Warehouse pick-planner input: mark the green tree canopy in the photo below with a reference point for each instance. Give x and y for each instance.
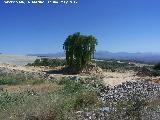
(79, 49)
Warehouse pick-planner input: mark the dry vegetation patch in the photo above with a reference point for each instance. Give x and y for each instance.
(37, 88)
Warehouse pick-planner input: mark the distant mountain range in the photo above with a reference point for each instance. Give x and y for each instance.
(144, 57)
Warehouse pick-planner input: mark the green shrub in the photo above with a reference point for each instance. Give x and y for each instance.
(155, 72)
(48, 62)
(157, 66)
(114, 65)
(86, 99)
(72, 86)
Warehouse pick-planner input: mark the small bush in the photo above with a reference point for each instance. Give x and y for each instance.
(156, 73)
(113, 65)
(48, 62)
(72, 86)
(157, 66)
(86, 99)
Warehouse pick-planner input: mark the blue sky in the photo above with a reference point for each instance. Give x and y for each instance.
(119, 25)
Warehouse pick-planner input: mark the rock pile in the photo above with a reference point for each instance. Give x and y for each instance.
(129, 90)
(92, 69)
(135, 92)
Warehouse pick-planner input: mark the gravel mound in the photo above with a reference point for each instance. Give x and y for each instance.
(130, 90)
(92, 69)
(126, 101)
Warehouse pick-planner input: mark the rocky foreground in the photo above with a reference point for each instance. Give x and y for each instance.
(129, 96)
(140, 99)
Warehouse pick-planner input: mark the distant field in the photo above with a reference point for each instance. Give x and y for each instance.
(17, 59)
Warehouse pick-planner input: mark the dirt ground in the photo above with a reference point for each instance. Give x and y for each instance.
(115, 78)
(109, 78)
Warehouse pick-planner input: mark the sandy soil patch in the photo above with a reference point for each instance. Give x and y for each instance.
(115, 78)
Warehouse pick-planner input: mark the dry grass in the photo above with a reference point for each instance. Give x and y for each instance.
(41, 88)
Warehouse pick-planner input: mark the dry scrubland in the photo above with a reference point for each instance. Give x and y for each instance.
(119, 91)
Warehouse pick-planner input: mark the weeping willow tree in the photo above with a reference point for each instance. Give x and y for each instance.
(79, 49)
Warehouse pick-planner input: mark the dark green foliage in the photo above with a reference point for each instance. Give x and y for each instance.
(8, 100)
(79, 49)
(114, 65)
(48, 62)
(148, 71)
(157, 66)
(86, 99)
(70, 86)
(37, 62)
(156, 72)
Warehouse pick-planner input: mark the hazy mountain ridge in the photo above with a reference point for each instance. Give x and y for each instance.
(145, 57)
